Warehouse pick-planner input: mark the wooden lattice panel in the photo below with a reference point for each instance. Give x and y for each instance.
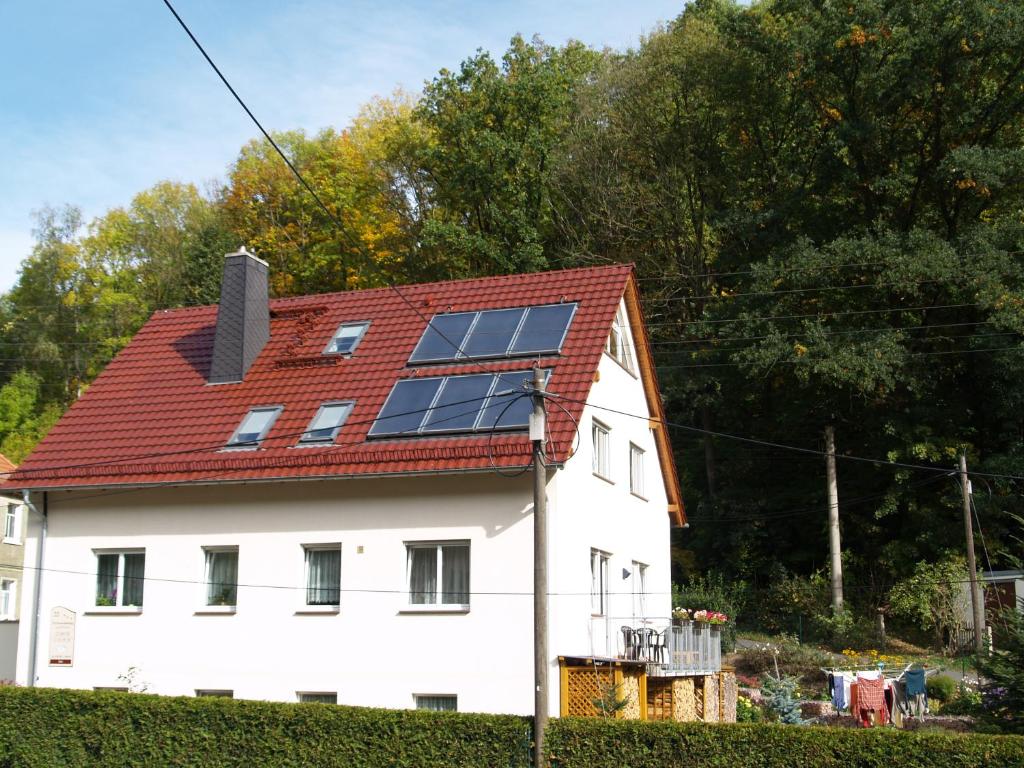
(584, 686)
(727, 696)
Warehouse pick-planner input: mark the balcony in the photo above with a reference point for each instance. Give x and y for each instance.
(689, 648)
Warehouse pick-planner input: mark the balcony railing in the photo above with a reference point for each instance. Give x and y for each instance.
(674, 649)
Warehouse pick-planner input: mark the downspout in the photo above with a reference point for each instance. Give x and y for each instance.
(36, 599)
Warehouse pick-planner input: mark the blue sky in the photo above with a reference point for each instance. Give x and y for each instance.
(100, 99)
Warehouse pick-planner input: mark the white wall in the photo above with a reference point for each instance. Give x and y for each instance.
(371, 652)
(592, 512)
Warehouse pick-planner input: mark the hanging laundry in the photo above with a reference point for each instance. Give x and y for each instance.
(871, 700)
(917, 692)
(839, 687)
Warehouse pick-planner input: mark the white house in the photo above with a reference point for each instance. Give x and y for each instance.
(326, 497)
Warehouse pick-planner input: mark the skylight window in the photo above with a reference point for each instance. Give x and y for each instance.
(327, 422)
(469, 403)
(494, 333)
(254, 427)
(346, 338)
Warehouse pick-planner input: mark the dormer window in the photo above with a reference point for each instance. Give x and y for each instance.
(618, 342)
(254, 427)
(325, 425)
(346, 338)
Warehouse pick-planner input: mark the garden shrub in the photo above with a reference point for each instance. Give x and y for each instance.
(588, 743)
(941, 688)
(53, 728)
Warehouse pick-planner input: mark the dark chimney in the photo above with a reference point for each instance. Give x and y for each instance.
(243, 317)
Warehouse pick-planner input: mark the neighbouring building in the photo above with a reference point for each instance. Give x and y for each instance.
(327, 498)
(12, 554)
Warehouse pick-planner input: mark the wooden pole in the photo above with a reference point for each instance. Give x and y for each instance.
(835, 551)
(977, 606)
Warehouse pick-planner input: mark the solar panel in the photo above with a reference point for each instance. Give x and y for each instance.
(492, 334)
(443, 337)
(406, 406)
(459, 403)
(469, 403)
(507, 408)
(544, 329)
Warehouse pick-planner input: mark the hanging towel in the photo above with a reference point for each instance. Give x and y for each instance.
(871, 700)
(915, 682)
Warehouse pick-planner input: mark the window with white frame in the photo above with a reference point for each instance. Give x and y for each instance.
(8, 599)
(601, 438)
(618, 345)
(12, 524)
(638, 587)
(346, 338)
(437, 702)
(120, 578)
(318, 698)
(254, 427)
(323, 574)
(325, 425)
(636, 471)
(221, 576)
(438, 573)
(215, 692)
(599, 582)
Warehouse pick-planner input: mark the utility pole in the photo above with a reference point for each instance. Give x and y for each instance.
(977, 606)
(540, 571)
(835, 552)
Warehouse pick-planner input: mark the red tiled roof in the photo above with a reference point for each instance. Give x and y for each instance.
(6, 466)
(151, 417)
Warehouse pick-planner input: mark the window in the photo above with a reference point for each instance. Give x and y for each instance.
(12, 529)
(204, 692)
(444, 563)
(323, 574)
(222, 576)
(474, 402)
(601, 436)
(436, 702)
(318, 698)
(346, 338)
(494, 333)
(636, 471)
(638, 587)
(618, 345)
(599, 582)
(325, 425)
(254, 427)
(120, 578)
(8, 599)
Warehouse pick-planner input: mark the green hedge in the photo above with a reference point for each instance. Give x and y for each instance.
(49, 728)
(580, 743)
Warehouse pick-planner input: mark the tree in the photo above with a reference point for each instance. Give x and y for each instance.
(933, 597)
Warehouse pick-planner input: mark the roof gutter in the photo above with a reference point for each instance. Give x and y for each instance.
(38, 587)
(285, 478)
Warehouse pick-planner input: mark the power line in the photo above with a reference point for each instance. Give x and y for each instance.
(780, 446)
(378, 591)
(222, 446)
(797, 362)
(337, 222)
